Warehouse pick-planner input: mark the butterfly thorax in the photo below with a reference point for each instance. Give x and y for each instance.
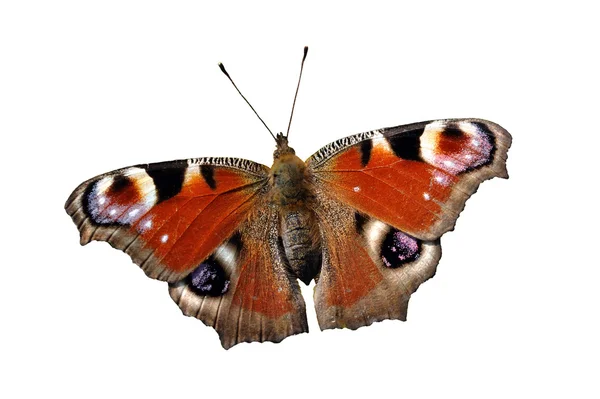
(288, 183)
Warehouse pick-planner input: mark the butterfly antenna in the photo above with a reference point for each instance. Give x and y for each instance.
(297, 87)
(247, 102)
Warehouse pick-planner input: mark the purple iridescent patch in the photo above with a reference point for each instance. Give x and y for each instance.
(398, 249)
(208, 279)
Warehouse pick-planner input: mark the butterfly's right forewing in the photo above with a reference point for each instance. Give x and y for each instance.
(168, 216)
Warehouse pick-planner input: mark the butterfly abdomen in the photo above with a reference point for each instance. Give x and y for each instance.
(301, 243)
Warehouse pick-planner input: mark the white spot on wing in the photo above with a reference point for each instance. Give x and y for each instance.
(164, 238)
(148, 224)
(145, 226)
(356, 189)
(426, 196)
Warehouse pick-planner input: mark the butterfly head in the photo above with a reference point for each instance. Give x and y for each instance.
(282, 147)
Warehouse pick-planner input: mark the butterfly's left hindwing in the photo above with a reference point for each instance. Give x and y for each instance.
(382, 200)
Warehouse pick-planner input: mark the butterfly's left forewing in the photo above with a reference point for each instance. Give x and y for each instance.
(383, 198)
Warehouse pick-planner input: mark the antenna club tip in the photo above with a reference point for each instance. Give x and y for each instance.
(222, 67)
(305, 51)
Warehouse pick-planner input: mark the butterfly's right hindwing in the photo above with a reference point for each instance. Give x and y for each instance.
(262, 301)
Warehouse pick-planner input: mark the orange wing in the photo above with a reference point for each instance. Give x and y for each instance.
(168, 216)
(383, 199)
(414, 177)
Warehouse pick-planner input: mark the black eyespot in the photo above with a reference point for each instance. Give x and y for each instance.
(120, 183)
(398, 249)
(208, 279)
(452, 131)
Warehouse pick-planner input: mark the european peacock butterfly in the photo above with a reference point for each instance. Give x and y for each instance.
(363, 217)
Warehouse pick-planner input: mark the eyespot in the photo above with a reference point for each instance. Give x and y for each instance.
(208, 279)
(398, 249)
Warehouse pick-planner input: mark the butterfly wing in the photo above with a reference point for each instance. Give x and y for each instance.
(369, 268)
(264, 302)
(394, 191)
(168, 216)
(204, 226)
(414, 177)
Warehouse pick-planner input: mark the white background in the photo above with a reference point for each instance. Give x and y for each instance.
(87, 87)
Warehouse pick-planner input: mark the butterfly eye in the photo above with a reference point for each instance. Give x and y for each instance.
(398, 249)
(208, 279)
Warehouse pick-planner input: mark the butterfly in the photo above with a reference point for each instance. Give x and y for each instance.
(363, 217)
